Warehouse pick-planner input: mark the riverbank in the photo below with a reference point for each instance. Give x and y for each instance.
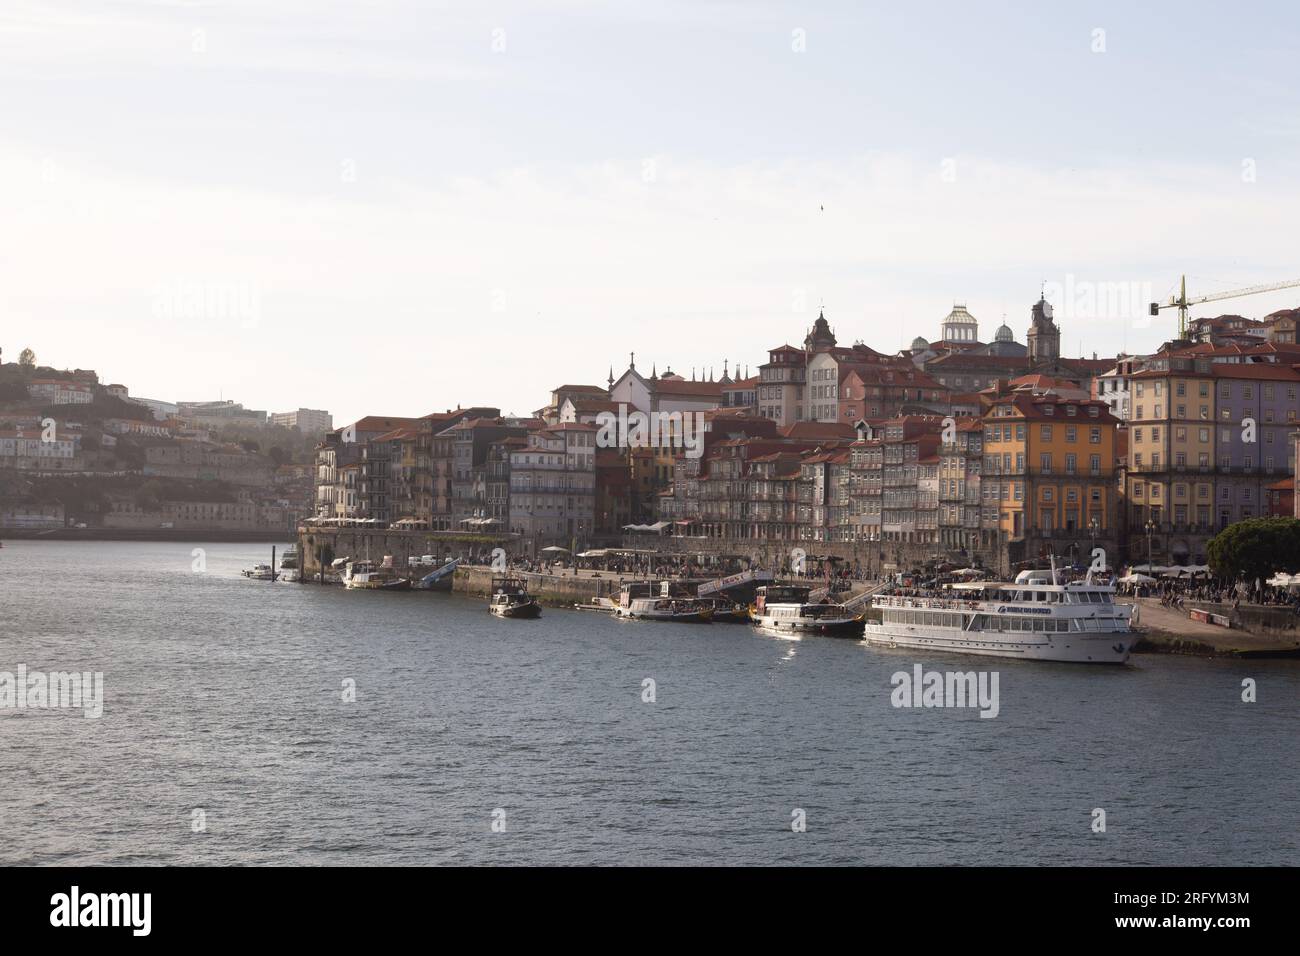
(1170, 631)
(228, 536)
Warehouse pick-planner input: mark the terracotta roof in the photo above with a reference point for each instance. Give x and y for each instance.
(1259, 370)
(817, 430)
(382, 423)
(674, 386)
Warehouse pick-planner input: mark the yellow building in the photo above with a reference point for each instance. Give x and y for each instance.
(1049, 474)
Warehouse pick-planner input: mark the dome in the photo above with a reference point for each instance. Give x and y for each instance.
(919, 344)
(1004, 334)
(959, 316)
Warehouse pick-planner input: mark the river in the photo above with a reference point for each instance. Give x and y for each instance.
(228, 736)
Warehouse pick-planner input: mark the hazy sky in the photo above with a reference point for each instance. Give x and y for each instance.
(397, 207)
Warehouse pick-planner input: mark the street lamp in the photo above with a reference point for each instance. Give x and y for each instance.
(1150, 529)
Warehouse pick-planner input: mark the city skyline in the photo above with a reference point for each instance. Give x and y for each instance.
(585, 183)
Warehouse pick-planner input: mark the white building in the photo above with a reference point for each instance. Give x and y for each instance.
(19, 449)
(60, 392)
(306, 420)
(1113, 389)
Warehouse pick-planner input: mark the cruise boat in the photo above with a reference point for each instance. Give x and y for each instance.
(1038, 617)
(639, 600)
(786, 608)
(510, 598)
(366, 575)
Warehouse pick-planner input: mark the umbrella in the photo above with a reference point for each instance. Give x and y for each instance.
(1137, 579)
(555, 549)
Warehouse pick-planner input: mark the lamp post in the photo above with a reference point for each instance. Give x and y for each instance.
(1094, 527)
(1150, 529)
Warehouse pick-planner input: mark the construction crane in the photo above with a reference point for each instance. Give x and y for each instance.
(1183, 304)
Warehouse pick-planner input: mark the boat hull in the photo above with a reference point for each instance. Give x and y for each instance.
(684, 617)
(398, 585)
(1070, 647)
(530, 610)
(837, 627)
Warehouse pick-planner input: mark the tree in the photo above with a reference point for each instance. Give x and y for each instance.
(1256, 548)
(27, 359)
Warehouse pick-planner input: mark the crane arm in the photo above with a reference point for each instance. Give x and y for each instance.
(1176, 301)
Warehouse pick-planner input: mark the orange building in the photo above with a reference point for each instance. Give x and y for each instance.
(1049, 475)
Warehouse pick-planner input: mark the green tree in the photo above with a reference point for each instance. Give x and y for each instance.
(27, 359)
(1256, 548)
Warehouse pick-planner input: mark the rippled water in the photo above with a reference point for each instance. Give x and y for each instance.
(225, 695)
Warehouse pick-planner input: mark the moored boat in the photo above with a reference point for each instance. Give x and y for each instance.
(260, 572)
(726, 611)
(604, 604)
(368, 576)
(510, 598)
(1039, 616)
(787, 608)
(289, 568)
(639, 600)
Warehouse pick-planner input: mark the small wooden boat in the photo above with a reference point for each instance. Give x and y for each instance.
(510, 598)
(725, 611)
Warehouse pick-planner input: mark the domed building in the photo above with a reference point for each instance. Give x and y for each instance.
(1004, 343)
(960, 327)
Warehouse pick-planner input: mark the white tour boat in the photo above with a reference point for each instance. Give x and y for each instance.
(1036, 618)
(786, 608)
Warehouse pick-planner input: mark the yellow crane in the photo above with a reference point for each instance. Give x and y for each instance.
(1183, 304)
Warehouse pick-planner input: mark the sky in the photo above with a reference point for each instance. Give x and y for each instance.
(395, 208)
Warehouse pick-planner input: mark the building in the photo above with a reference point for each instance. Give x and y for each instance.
(961, 456)
(309, 421)
(341, 449)
(781, 382)
(1208, 434)
(220, 414)
(31, 452)
(553, 487)
(1049, 474)
(55, 391)
(668, 393)
(1044, 336)
(160, 410)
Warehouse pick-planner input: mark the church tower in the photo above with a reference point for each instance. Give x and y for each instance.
(820, 338)
(1044, 336)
